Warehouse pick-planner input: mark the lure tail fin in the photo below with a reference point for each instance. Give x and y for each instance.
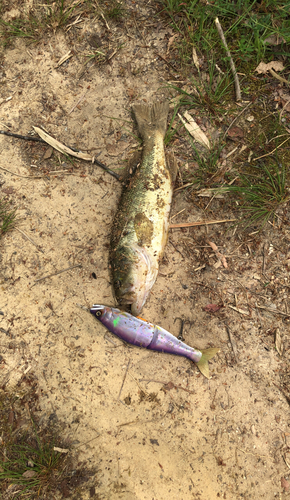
(203, 362)
(151, 118)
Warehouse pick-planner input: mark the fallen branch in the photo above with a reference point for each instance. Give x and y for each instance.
(78, 154)
(274, 150)
(70, 151)
(199, 223)
(25, 137)
(273, 311)
(233, 68)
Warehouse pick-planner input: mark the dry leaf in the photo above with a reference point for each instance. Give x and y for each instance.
(48, 153)
(208, 193)
(212, 308)
(213, 246)
(194, 129)
(224, 261)
(60, 450)
(274, 40)
(29, 473)
(278, 342)
(64, 58)
(219, 255)
(263, 68)
(117, 149)
(61, 147)
(195, 58)
(170, 41)
(285, 99)
(235, 133)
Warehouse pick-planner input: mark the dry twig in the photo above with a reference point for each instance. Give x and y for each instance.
(233, 68)
(274, 150)
(124, 378)
(233, 343)
(199, 223)
(31, 241)
(58, 272)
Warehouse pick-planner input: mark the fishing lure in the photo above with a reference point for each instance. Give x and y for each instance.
(140, 332)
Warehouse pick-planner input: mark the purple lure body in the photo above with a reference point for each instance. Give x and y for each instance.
(141, 333)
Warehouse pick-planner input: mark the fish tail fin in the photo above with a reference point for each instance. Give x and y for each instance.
(151, 118)
(203, 362)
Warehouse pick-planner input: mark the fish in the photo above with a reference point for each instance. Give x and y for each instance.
(140, 227)
(142, 333)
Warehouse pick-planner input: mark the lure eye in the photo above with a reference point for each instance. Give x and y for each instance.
(98, 313)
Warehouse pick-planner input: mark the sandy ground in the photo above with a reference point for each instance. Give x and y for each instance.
(171, 433)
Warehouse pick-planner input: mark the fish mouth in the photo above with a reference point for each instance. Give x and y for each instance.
(133, 302)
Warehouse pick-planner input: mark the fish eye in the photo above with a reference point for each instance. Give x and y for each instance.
(117, 284)
(98, 313)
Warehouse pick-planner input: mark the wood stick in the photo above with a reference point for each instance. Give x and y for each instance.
(233, 343)
(78, 154)
(124, 378)
(58, 272)
(31, 241)
(38, 139)
(25, 137)
(233, 68)
(238, 116)
(199, 223)
(273, 311)
(274, 150)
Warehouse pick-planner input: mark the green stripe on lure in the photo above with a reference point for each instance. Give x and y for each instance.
(140, 332)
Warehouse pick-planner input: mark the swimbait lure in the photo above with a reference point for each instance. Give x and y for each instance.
(140, 332)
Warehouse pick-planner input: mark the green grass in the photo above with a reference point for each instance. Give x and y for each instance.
(30, 467)
(33, 465)
(246, 24)
(8, 217)
(261, 193)
(114, 10)
(51, 15)
(207, 91)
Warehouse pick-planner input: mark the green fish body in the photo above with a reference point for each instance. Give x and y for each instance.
(140, 227)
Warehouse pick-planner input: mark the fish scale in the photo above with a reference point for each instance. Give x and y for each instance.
(141, 223)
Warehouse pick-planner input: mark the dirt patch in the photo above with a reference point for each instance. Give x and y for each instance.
(172, 433)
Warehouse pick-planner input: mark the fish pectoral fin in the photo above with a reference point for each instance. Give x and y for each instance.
(207, 354)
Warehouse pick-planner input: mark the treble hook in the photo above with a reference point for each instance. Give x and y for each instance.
(183, 322)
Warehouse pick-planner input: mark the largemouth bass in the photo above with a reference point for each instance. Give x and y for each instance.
(141, 333)
(140, 227)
